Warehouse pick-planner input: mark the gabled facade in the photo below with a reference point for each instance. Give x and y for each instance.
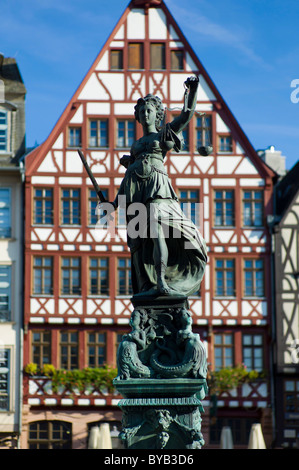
(12, 144)
(286, 264)
(77, 285)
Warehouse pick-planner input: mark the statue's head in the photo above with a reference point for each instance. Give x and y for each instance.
(156, 103)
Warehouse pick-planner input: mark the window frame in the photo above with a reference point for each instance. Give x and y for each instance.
(187, 203)
(97, 344)
(223, 346)
(74, 144)
(252, 209)
(127, 277)
(71, 268)
(50, 441)
(126, 132)
(41, 345)
(140, 59)
(253, 348)
(72, 200)
(206, 130)
(98, 130)
(174, 51)
(225, 270)
(43, 268)
(5, 314)
(119, 50)
(8, 229)
(5, 394)
(254, 281)
(231, 145)
(224, 201)
(99, 269)
(69, 344)
(163, 55)
(43, 198)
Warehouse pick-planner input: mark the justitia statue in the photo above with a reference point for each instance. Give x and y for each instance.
(162, 364)
(161, 264)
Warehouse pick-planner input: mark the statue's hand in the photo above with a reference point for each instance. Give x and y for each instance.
(192, 82)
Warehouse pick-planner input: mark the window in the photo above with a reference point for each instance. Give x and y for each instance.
(69, 350)
(43, 206)
(50, 435)
(225, 277)
(43, 275)
(254, 278)
(96, 349)
(223, 350)
(157, 56)
(177, 59)
(93, 201)
(98, 276)
(5, 212)
(41, 347)
(189, 200)
(291, 396)
(71, 276)
(203, 131)
(70, 206)
(125, 133)
(124, 276)
(135, 56)
(5, 293)
(75, 137)
(116, 59)
(252, 208)
(224, 208)
(98, 133)
(3, 131)
(252, 347)
(4, 379)
(225, 143)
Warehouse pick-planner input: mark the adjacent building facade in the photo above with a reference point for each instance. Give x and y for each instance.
(285, 230)
(12, 147)
(77, 275)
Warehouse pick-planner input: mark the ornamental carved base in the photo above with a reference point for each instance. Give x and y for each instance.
(162, 369)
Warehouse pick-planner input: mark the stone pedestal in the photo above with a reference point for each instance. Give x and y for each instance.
(162, 414)
(162, 370)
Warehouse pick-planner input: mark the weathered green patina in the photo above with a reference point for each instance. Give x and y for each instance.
(162, 365)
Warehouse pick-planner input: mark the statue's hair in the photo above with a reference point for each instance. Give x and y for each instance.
(156, 102)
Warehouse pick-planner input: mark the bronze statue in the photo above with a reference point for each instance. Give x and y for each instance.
(161, 264)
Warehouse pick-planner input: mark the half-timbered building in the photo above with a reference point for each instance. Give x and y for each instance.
(77, 276)
(285, 233)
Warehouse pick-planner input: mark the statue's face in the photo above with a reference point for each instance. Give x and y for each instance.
(147, 114)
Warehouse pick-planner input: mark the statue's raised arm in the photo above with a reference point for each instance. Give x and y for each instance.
(181, 121)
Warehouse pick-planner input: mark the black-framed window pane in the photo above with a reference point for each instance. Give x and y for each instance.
(116, 59)
(157, 56)
(177, 59)
(43, 275)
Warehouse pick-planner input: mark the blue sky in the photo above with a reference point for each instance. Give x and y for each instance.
(250, 48)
